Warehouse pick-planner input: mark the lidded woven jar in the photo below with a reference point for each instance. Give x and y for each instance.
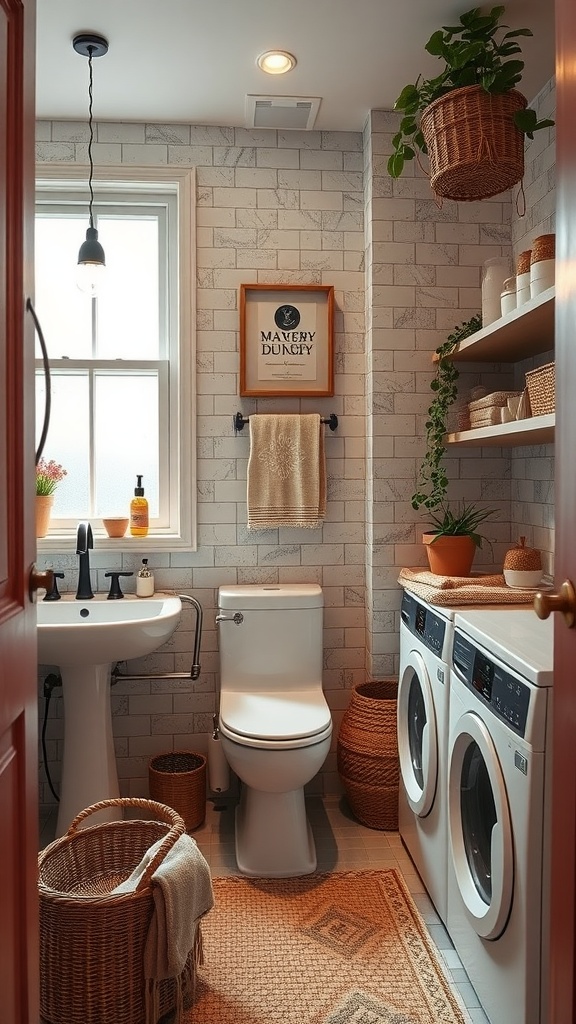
(522, 566)
(523, 558)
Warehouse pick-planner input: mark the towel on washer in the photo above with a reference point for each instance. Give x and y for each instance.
(451, 590)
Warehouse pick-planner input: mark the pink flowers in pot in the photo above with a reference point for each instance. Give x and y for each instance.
(48, 476)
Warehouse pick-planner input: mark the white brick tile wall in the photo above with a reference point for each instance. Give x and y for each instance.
(311, 207)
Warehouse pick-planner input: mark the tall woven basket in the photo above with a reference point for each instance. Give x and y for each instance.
(92, 942)
(367, 752)
(474, 147)
(179, 780)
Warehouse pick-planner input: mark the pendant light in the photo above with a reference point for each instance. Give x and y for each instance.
(91, 259)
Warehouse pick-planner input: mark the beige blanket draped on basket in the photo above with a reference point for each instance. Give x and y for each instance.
(286, 472)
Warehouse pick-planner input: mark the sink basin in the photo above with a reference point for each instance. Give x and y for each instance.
(85, 639)
(99, 631)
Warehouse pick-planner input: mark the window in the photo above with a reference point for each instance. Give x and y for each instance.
(121, 363)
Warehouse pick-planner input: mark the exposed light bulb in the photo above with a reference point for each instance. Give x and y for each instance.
(90, 277)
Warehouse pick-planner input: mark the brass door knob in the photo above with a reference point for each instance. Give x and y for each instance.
(564, 601)
(40, 579)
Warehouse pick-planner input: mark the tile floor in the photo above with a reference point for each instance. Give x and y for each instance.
(342, 844)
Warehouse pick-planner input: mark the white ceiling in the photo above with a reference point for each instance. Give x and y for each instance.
(195, 60)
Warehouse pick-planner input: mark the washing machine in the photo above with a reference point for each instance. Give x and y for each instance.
(422, 723)
(498, 807)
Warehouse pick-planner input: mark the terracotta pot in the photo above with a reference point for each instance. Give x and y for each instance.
(44, 504)
(449, 556)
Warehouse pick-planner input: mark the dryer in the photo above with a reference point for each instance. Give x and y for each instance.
(422, 722)
(498, 781)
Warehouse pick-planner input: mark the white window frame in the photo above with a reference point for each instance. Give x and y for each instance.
(181, 534)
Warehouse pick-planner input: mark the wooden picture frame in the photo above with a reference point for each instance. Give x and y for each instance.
(286, 340)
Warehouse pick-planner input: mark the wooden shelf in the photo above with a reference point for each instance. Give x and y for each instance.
(536, 430)
(524, 332)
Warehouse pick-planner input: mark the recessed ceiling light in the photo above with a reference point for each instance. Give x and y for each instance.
(276, 62)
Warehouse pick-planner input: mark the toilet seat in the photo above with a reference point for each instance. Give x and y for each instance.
(275, 719)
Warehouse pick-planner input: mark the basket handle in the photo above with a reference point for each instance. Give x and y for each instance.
(161, 812)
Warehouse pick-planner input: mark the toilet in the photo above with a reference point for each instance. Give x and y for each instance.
(275, 725)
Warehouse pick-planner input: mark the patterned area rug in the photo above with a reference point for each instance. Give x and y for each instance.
(344, 948)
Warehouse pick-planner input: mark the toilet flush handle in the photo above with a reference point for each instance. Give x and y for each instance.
(237, 618)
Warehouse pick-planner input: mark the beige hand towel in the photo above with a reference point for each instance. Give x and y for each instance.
(286, 472)
(182, 895)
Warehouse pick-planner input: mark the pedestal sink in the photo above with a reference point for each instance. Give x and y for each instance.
(85, 639)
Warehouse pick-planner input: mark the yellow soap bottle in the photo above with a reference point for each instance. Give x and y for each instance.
(139, 511)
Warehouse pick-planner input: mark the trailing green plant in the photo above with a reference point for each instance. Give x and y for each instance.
(432, 486)
(463, 522)
(474, 53)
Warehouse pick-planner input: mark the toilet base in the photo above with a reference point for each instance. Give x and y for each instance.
(273, 835)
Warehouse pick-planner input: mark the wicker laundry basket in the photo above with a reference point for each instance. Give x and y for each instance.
(179, 780)
(474, 147)
(541, 384)
(367, 752)
(91, 942)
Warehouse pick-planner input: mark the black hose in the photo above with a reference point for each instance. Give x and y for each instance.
(49, 683)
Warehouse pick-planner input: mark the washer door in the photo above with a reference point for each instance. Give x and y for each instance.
(480, 827)
(417, 734)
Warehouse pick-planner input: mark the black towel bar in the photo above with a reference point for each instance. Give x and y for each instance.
(239, 421)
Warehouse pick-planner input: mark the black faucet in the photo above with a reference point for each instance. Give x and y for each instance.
(84, 541)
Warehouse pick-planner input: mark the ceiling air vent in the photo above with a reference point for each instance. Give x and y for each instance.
(297, 112)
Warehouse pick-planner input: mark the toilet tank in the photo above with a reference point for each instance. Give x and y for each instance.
(278, 643)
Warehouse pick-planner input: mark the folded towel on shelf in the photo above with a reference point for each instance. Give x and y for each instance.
(451, 590)
(286, 472)
(182, 895)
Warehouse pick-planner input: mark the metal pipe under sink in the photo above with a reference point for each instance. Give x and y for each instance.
(194, 670)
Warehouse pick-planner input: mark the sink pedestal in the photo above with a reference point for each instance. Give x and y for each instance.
(89, 762)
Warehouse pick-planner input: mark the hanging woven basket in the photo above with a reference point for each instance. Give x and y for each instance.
(367, 752)
(475, 149)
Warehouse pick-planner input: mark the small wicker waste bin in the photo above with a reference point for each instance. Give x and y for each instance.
(367, 752)
(178, 779)
(91, 941)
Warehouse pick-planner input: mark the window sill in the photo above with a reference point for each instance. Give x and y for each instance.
(65, 541)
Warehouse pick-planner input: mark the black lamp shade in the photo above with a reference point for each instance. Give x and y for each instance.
(91, 251)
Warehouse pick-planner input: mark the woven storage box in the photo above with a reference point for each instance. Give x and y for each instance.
(486, 411)
(541, 384)
(92, 943)
(367, 752)
(179, 780)
(475, 149)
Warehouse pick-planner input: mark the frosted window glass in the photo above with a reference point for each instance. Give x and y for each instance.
(68, 440)
(64, 311)
(127, 306)
(126, 407)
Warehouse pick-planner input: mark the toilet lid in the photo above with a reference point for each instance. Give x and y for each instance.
(274, 715)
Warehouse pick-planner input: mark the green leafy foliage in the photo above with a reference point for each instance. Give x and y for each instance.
(432, 479)
(463, 522)
(475, 52)
(432, 486)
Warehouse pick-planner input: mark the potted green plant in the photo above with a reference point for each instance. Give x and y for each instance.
(453, 542)
(469, 119)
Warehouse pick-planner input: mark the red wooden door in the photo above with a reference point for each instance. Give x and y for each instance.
(18, 692)
(562, 965)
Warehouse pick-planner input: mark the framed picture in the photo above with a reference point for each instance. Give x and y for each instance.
(286, 339)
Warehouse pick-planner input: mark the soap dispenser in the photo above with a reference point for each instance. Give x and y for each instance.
(144, 581)
(139, 511)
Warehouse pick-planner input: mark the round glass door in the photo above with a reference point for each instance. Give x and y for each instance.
(480, 827)
(417, 735)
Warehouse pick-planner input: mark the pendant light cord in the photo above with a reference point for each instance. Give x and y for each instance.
(91, 139)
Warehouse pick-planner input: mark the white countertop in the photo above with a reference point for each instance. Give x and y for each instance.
(516, 636)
